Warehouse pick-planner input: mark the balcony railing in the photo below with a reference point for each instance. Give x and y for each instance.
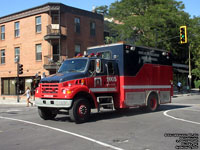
(53, 62)
(55, 31)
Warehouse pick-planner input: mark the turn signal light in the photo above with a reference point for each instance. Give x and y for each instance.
(82, 82)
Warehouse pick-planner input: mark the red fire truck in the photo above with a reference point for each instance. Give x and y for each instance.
(113, 76)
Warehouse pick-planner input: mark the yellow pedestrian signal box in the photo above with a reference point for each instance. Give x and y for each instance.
(183, 34)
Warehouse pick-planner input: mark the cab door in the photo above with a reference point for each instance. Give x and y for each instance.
(96, 75)
(112, 78)
(103, 76)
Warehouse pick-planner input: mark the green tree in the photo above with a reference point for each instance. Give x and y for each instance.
(194, 36)
(156, 23)
(102, 10)
(149, 22)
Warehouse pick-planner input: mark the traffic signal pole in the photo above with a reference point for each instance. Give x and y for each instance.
(18, 81)
(19, 71)
(184, 40)
(190, 74)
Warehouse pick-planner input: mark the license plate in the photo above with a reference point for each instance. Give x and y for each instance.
(48, 96)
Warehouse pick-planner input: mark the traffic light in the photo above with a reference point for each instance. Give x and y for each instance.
(20, 69)
(183, 34)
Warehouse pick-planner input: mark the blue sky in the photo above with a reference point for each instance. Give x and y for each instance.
(12, 6)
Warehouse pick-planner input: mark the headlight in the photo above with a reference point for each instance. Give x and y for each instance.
(64, 91)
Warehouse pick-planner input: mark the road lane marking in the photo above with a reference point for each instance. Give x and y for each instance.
(64, 131)
(13, 110)
(180, 119)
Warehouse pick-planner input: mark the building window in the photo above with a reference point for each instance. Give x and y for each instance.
(3, 57)
(77, 25)
(2, 32)
(17, 31)
(9, 86)
(38, 25)
(38, 52)
(55, 19)
(92, 28)
(77, 49)
(17, 53)
(5, 86)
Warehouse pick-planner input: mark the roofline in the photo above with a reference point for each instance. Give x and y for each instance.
(27, 12)
(42, 9)
(120, 43)
(28, 9)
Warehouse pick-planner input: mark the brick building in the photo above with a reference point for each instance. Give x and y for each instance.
(42, 37)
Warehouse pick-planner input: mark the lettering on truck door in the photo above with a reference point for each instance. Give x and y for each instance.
(111, 79)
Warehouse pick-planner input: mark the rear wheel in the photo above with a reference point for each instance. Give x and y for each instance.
(46, 113)
(152, 103)
(80, 111)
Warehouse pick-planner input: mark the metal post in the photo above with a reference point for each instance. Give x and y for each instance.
(17, 60)
(190, 74)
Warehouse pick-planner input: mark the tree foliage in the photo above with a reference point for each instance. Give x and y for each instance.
(156, 23)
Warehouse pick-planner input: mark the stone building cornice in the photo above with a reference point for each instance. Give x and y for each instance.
(47, 8)
(30, 12)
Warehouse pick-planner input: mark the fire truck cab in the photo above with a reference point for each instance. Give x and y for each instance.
(114, 76)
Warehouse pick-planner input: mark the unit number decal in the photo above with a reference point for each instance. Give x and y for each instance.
(111, 79)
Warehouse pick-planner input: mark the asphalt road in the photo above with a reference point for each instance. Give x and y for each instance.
(171, 126)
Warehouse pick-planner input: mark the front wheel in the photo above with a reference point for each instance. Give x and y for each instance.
(46, 113)
(80, 111)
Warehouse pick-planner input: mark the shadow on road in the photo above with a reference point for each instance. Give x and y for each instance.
(109, 114)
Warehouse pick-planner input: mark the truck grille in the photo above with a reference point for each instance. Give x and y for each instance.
(52, 88)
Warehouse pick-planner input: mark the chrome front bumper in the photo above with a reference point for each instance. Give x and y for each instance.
(53, 103)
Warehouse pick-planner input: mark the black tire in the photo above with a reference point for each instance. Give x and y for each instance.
(80, 111)
(152, 103)
(46, 113)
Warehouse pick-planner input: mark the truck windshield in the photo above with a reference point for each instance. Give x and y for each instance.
(74, 65)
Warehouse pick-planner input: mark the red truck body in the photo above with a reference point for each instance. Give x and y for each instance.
(114, 76)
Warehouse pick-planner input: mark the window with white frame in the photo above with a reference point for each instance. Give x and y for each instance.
(3, 57)
(17, 52)
(2, 32)
(17, 29)
(38, 48)
(38, 24)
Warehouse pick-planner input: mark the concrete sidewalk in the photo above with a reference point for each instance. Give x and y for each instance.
(13, 101)
(194, 91)
(22, 101)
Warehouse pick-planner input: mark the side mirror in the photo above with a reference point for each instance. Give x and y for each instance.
(98, 65)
